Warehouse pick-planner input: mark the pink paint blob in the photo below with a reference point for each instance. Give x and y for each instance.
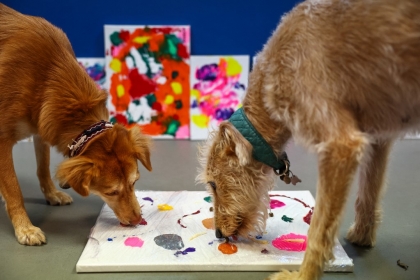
(291, 242)
(134, 242)
(276, 204)
(183, 132)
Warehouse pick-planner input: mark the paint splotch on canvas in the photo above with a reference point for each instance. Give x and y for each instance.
(148, 78)
(95, 68)
(218, 85)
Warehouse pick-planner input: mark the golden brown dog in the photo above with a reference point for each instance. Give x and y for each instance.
(341, 77)
(44, 92)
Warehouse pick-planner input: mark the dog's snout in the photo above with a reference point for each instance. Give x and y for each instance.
(219, 233)
(135, 221)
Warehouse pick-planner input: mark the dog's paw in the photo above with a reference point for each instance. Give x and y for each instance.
(362, 237)
(284, 275)
(30, 236)
(57, 198)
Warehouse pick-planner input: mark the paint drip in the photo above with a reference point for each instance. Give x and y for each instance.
(133, 242)
(276, 204)
(148, 199)
(165, 207)
(208, 223)
(228, 248)
(179, 220)
(185, 252)
(307, 219)
(287, 219)
(290, 242)
(169, 241)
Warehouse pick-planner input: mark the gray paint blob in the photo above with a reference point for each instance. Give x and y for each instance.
(169, 241)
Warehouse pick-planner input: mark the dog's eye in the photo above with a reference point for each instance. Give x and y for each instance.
(112, 193)
(212, 184)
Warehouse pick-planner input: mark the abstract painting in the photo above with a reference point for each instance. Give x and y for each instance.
(148, 78)
(218, 85)
(177, 234)
(95, 67)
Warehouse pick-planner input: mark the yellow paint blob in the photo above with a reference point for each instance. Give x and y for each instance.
(176, 87)
(120, 90)
(233, 67)
(165, 207)
(115, 65)
(195, 93)
(141, 39)
(201, 120)
(169, 99)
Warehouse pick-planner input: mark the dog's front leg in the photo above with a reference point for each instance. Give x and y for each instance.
(25, 232)
(338, 161)
(52, 195)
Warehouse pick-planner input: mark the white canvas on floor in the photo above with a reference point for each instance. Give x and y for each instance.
(218, 85)
(112, 247)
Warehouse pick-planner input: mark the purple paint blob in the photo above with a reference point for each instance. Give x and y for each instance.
(276, 204)
(186, 251)
(148, 199)
(134, 242)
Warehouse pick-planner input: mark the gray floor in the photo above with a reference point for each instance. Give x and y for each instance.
(175, 165)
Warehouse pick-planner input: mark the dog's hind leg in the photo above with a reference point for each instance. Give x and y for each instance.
(371, 184)
(52, 195)
(25, 232)
(337, 162)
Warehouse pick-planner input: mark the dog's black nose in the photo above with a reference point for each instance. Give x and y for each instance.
(219, 233)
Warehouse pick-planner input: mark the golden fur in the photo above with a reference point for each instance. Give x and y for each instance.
(44, 92)
(341, 78)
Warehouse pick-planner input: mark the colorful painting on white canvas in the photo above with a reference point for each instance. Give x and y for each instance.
(95, 67)
(177, 234)
(148, 78)
(218, 85)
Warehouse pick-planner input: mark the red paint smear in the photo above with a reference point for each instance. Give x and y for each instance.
(307, 219)
(141, 85)
(228, 248)
(182, 51)
(121, 119)
(291, 242)
(143, 222)
(124, 35)
(276, 204)
(179, 220)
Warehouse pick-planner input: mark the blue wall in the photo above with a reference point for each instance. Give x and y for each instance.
(217, 27)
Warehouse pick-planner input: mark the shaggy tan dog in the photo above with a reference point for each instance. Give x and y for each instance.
(343, 79)
(44, 92)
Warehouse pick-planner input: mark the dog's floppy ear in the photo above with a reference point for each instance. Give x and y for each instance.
(77, 173)
(141, 144)
(235, 143)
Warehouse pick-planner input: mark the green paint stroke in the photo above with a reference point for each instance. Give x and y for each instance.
(151, 98)
(287, 219)
(173, 127)
(115, 38)
(208, 199)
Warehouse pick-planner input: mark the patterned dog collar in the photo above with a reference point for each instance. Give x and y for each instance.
(86, 136)
(261, 150)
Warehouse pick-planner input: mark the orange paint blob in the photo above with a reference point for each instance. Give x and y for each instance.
(208, 223)
(228, 248)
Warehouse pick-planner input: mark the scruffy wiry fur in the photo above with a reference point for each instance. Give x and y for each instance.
(44, 92)
(340, 77)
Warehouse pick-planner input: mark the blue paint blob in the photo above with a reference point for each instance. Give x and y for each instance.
(258, 237)
(110, 239)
